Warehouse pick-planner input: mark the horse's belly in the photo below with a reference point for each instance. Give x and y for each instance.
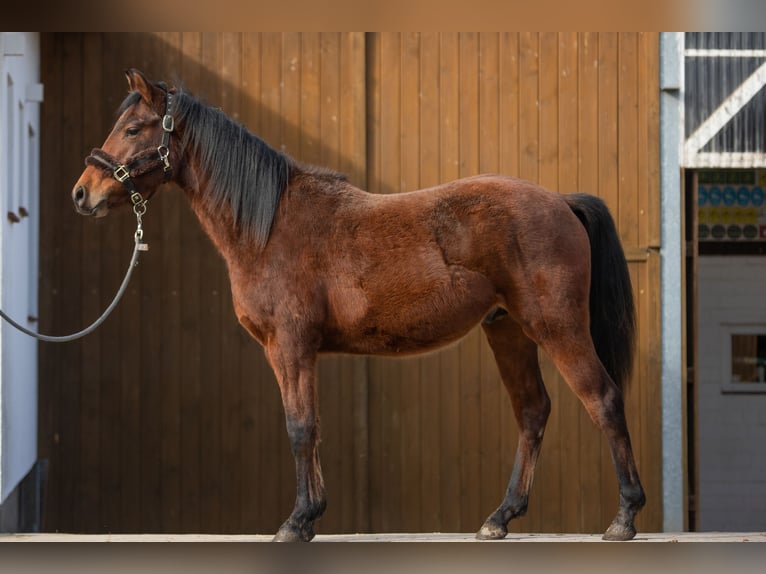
(413, 339)
(418, 317)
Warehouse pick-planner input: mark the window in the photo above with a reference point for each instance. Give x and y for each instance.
(744, 358)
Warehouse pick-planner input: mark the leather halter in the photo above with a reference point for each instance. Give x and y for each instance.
(142, 162)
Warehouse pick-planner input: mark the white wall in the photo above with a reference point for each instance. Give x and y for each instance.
(20, 96)
(732, 427)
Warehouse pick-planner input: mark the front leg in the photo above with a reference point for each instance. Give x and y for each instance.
(295, 369)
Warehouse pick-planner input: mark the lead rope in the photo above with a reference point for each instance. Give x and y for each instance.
(139, 209)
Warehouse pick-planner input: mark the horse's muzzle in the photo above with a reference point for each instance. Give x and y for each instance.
(80, 197)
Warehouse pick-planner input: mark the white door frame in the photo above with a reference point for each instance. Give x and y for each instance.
(20, 97)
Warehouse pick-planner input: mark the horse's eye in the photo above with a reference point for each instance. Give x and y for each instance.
(132, 131)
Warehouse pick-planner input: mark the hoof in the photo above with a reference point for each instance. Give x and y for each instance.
(290, 532)
(619, 532)
(492, 531)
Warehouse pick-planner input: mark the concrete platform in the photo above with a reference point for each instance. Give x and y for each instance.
(672, 537)
(437, 553)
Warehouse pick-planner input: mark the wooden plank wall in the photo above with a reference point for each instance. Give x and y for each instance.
(574, 112)
(168, 419)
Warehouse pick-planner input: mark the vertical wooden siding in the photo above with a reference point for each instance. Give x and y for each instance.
(168, 419)
(574, 112)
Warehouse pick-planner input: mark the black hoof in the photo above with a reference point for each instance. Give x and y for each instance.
(492, 531)
(619, 532)
(290, 532)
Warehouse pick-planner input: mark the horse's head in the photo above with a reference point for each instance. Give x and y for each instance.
(136, 157)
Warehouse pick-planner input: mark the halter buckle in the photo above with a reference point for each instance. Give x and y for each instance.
(168, 124)
(136, 198)
(121, 173)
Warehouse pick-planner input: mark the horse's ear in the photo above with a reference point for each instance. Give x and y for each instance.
(138, 82)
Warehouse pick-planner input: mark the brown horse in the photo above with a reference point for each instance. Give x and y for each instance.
(319, 266)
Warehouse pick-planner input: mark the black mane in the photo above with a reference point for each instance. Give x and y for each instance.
(244, 173)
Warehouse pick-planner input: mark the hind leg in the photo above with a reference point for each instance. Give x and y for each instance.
(578, 363)
(516, 357)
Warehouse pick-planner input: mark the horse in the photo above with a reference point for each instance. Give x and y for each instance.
(317, 265)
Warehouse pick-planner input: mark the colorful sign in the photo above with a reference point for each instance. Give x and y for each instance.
(731, 206)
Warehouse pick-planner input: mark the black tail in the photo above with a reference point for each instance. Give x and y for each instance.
(612, 311)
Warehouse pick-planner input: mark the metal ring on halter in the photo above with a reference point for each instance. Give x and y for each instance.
(139, 208)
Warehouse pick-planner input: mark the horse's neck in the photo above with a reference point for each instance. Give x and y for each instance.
(217, 221)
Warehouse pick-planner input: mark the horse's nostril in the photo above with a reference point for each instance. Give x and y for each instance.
(79, 194)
